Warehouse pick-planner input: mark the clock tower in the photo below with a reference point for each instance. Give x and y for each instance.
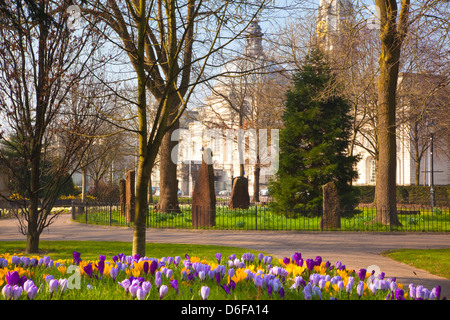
(332, 19)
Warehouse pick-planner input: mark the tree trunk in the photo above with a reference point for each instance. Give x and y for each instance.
(256, 182)
(168, 183)
(385, 189)
(141, 206)
(150, 190)
(141, 210)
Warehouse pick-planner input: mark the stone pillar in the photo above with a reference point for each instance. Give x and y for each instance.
(130, 195)
(204, 195)
(123, 192)
(240, 198)
(331, 218)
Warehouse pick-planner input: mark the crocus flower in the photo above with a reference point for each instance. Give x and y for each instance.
(27, 285)
(201, 275)
(360, 288)
(362, 274)
(125, 284)
(412, 291)
(158, 282)
(281, 292)
(226, 288)
(88, 270)
(399, 294)
(437, 291)
(169, 273)
(141, 293)
(163, 291)
(7, 291)
(16, 292)
(53, 286)
(232, 285)
(76, 257)
(146, 267)
(134, 288)
(176, 260)
(153, 267)
(31, 292)
(174, 284)
(204, 292)
(12, 278)
(218, 257)
(310, 264)
(101, 267)
(62, 283)
(113, 273)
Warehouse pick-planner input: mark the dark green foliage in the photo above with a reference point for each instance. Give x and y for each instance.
(416, 195)
(314, 141)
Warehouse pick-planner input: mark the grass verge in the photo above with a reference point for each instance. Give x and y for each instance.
(90, 250)
(435, 261)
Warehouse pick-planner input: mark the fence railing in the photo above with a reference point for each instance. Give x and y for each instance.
(262, 217)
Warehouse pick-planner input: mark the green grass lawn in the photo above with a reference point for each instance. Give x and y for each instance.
(435, 261)
(90, 250)
(262, 218)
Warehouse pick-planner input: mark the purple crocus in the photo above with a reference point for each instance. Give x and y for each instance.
(7, 291)
(281, 292)
(153, 267)
(141, 293)
(174, 284)
(134, 288)
(88, 269)
(318, 260)
(310, 264)
(125, 284)
(226, 288)
(101, 267)
(16, 292)
(218, 257)
(146, 267)
(204, 292)
(360, 288)
(362, 274)
(113, 273)
(399, 294)
(438, 292)
(76, 257)
(52, 286)
(31, 292)
(12, 278)
(163, 291)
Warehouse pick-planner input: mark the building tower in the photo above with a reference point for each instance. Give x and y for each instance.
(332, 20)
(253, 45)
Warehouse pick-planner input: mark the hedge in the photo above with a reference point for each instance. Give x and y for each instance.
(418, 195)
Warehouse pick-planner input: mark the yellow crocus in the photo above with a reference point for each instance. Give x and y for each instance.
(239, 275)
(62, 269)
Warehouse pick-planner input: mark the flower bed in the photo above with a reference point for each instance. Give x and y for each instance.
(189, 278)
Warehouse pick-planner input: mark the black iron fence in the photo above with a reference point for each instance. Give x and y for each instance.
(263, 217)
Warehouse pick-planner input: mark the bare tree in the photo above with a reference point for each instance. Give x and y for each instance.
(169, 45)
(41, 62)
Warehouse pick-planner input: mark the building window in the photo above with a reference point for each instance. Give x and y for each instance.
(372, 171)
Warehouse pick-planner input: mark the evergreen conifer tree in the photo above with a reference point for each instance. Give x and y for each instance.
(314, 141)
